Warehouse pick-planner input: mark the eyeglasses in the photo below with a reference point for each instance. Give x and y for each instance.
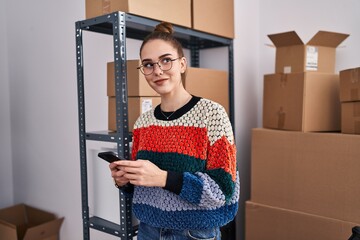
(165, 64)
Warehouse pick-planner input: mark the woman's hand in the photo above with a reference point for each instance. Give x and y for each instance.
(140, 173)
(118, 175)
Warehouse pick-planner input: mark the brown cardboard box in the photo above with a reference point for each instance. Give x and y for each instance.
(350, 117)
(350, 85)
(23, 222)
(317, 55)
(173, 11)
(315, 173)
(214, 16)
(209, 83)
(136, 106)
(271, 223)
(137, 84)
(307, 102)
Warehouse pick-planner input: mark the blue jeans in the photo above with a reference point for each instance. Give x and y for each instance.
(147, 232)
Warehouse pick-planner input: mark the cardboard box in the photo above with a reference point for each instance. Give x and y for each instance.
(137, 84)
(173, 11)
(271, 223)
(210, 84)
(292, 55)
(350, 117)
(350, 85)
(307, 102)
(23, 222)
(315, 173)
(214, 16)
(136, 106)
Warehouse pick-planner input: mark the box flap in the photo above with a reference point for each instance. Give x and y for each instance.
(13, 215)
(45, 230)
(327, 39)
(285, 39)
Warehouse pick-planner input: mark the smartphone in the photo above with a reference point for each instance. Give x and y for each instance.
(109, 156)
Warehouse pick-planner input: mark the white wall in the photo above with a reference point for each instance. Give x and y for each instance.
(246, 93)
(6, 179)
(38, 92)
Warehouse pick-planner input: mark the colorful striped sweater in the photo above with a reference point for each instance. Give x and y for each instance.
(196, 146)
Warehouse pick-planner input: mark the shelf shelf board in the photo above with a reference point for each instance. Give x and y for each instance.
(138, 27)
(109, 227)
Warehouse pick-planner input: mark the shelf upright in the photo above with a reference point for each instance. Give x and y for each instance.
(113, 24)
(121, 26)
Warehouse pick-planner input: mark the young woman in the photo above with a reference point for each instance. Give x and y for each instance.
(186, 184)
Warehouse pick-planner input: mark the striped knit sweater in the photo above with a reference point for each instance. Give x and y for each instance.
(196, 147)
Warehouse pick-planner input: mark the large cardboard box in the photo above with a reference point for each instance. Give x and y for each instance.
(350, 117)
(173, 11)
(350, 85)
(209, 83)
(23, 222)
(315, 173)
(214, 16)
(136, 106)
(137, 84)
(306, 101)
(292, 55)
(271, 223)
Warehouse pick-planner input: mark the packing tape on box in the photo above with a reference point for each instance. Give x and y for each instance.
(283, 80)
(106, 6)
(355, 75)
(354, 79)
(281, 118)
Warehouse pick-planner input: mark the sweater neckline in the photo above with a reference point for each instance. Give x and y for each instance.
(178, 113)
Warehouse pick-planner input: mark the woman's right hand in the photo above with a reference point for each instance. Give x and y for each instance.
(118, 175)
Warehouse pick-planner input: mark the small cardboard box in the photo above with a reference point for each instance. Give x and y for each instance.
(137, 84)
(23, 222)
(307, 102)
(272, 223)
(314, 173)
(350, 85)
(210, 84)
(350, 117)
(292, 55)
(214, 16)
(173, 11)
(136, 106)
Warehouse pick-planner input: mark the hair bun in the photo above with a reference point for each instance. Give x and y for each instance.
(164, 27)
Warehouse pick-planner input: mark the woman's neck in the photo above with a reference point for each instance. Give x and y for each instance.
(172, 102)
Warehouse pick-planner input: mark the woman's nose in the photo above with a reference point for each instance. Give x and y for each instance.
(157, 69)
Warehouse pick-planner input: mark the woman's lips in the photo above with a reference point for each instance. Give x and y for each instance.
(160, 81)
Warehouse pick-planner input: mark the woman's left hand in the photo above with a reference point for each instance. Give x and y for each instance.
(143, 173)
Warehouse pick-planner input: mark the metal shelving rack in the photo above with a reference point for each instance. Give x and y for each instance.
(121, 26)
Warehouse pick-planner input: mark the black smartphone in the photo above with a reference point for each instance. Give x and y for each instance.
(109, 156)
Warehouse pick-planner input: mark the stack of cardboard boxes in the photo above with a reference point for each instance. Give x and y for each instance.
(304, 173)
(350, 100)
(218, 19)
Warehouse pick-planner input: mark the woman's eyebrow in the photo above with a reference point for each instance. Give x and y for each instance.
(164, 55)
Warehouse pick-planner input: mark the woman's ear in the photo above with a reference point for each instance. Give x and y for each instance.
(183, 64)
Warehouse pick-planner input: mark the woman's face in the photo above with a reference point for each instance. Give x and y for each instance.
(159, 51)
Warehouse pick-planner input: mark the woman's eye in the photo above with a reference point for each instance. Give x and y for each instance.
(166, 60)
(148, 65)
